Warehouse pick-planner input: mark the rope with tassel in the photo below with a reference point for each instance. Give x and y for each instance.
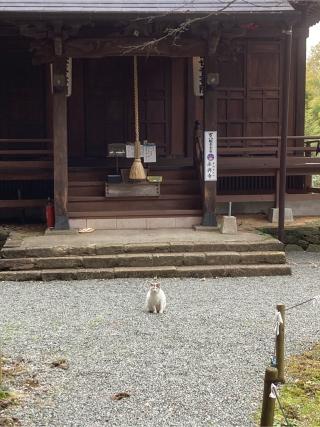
(137, 172)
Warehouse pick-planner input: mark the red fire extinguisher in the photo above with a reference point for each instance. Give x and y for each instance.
(50, 214)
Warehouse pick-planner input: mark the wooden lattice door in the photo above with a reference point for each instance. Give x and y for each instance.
(109, 104)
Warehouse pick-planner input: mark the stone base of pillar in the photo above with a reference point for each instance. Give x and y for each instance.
(61, 222)
(273, 215)
(209, 219)
(229, 225)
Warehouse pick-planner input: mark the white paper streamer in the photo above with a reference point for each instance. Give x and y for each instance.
(273, 392)
(278, 322)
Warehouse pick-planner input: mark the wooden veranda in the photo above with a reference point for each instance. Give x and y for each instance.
(253, 96)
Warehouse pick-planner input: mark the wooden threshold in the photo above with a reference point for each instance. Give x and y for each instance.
(243, 198)
(303, 197)
(95, 183)
(136, 214)
(161, 197)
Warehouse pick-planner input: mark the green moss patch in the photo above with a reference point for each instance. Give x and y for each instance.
(4, 394)
(300, 396)
(6, 399)
(307, 238)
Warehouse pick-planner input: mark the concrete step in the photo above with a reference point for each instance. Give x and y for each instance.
(143, 260)
(139, 248)
(143, 272)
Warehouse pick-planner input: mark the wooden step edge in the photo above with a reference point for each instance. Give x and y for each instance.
(144, 272)
(134, 214)
(161, 197)
(101, 183)
(175, 167)
(79, 183)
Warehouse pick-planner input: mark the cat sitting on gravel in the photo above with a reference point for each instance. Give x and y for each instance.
(156, 299)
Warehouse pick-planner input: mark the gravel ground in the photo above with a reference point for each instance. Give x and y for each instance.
(200, 364)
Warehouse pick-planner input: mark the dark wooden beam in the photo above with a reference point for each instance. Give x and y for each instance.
(286, 74)
(114, 46)
(60, 144)
(210, 123)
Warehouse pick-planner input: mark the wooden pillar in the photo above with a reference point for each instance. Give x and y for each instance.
(301, 42)
(60, 143)
(210, 119)
(301, 55)
(284, 130)
(190, 111)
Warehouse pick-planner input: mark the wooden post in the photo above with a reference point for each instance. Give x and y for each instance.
(190, 111)
(284, 130)
(210, 119)
(301, 45)
(60, 143)
(277, 176)
(280, 345)
(0, 368)
(268, 404)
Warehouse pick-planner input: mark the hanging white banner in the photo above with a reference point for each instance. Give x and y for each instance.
(210, 156)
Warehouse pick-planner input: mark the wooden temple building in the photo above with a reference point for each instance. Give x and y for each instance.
(232, 68)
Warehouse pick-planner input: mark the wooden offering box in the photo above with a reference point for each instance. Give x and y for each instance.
(133, 189)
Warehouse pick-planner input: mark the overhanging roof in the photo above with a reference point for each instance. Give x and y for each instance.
(145, 6)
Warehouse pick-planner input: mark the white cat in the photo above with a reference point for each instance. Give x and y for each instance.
(156, 299)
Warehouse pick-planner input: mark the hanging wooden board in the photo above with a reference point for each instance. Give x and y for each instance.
(141, 189)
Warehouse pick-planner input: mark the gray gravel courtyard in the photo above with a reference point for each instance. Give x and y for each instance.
(200, 364)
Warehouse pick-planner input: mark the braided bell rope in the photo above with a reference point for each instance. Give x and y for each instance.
(137, 147)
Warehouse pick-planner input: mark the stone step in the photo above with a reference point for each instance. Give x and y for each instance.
(143, 260)
(144, 272)
(173, 247)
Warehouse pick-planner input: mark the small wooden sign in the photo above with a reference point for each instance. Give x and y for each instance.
(210, 156)
(117, 150)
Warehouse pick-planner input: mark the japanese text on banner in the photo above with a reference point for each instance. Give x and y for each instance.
(210, 156)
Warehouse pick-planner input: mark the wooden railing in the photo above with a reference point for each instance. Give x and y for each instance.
(237, 154)
(25, 165)
(306, 148)
(253, 163)
(266, 145)
(25, 155)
